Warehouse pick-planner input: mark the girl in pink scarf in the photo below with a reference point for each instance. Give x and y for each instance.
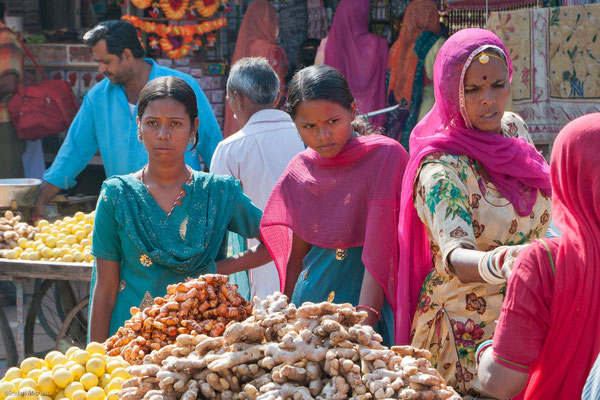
(331, 221)
(474, 190)
(547, 336)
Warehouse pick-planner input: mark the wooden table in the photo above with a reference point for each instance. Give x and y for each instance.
(18, 271)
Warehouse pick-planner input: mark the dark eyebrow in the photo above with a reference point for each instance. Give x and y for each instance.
(152, 116)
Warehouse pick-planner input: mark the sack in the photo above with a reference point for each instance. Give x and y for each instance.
(44, 109)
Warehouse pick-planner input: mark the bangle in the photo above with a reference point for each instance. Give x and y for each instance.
(485, 271)
(482, 347)
(374, 311)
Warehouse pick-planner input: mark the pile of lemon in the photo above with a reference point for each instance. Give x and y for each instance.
(65, 240)
(76, 375)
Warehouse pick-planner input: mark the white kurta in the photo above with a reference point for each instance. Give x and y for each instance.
(257, 155)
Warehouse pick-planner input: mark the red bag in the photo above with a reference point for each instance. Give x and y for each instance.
(44, 109)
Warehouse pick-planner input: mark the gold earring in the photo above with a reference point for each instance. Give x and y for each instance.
(140, 138)
(192, 141)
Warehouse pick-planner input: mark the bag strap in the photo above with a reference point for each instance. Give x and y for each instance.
(29, 54)
(549, 255)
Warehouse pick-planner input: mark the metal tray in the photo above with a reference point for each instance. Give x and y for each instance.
(16, 193)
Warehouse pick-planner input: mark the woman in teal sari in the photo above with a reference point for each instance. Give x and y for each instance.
(166, 222)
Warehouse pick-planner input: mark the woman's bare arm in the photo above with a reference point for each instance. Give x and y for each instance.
(300, 249)
(105, 297)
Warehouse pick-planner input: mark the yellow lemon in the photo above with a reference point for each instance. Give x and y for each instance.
(88, 228)
(45, 236)
(112, 364)
(55, 253)
(81, 357)
(33, 256)
(71, 239)
(12, 374)
(89, 380)
(60, 395)
(67, 258)
(100, 356)
(59, 359)
(85, 242)
(34, 374)
(78, 395)
(95, 348)
(61, 235)
(95, 366)
(16, 382)
(115, 383)
(18, 250)
(46, 384)
(51, 242)
(79, 216)
(46, 252)
(96, 393)
(80, 235)
(104, 380)
(89, 218)
(62, 377)
(24, 256)
(77, 256)
(69, 364)
(87, 257)
(37, 236)
(55, 232)
(6, 389)
(28, 383)
(36, 243)
(11, 255)
(27, 393)
(60, 243)
(77, 371)
(30, 244)
(50, 355)
(113, 395)
(73, 387)
(63, 251)
(22, 242)
(69, 353)
(40, 223)
(120, 373)
(46, 229)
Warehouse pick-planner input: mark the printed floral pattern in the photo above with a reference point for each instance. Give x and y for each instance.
(461, 209)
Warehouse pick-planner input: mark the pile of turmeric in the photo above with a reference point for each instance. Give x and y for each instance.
(202, 306)
(317, 351)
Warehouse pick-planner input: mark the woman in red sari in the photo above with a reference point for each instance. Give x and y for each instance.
(546, 340)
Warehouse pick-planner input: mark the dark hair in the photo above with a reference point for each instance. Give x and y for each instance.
(322, 82)
(119, 35)
(308, 52)
(170, 87)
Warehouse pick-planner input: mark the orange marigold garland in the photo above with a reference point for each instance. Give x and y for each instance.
(141, 4)
(176, 41)
(174, 9)
(206, 8)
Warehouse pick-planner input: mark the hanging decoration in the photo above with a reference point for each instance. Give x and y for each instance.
(177, 41)
(206, 8)
(174, 9)
(141, 4)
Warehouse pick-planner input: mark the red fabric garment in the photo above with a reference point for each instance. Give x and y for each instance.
(350, 200)
(515, 167)
(571, 345)
(257, 37)
(525, 318)
(359, 55)
(420, 15)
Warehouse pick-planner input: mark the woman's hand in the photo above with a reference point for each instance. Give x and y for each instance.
(249, 259)
(371, 296)
(509, 259)
(105, 297)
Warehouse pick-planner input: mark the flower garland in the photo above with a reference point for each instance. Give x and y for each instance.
(177, 9)
(176, 41)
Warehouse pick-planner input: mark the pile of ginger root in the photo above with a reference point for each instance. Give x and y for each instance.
(317, 351)
(202, 306)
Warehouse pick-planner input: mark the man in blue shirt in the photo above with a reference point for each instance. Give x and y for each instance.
(106, 120)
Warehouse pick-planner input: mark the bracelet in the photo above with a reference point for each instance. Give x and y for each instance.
(492, 266)
(484, 265)
(482, 347)
(374, 311)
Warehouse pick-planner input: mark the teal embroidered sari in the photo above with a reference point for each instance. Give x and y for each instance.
(156, 251)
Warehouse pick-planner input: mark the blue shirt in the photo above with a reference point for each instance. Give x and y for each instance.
(104, 122)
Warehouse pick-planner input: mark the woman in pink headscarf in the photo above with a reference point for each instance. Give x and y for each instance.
(547, 336)
(257, 38)
(475, 190)
(359, 55)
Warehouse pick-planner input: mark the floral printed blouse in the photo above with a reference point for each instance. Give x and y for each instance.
(460, 208)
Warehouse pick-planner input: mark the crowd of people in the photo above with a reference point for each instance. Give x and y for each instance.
(446, 246)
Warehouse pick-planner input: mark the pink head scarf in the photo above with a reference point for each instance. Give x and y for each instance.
(359, 55)
(515, 167)
(352, 199)
(574, 324)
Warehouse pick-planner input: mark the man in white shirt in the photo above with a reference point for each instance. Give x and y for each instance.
(258, 154)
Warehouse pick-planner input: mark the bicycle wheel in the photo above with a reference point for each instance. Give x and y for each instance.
(74, 329)
(8, 340)
(43, 309)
